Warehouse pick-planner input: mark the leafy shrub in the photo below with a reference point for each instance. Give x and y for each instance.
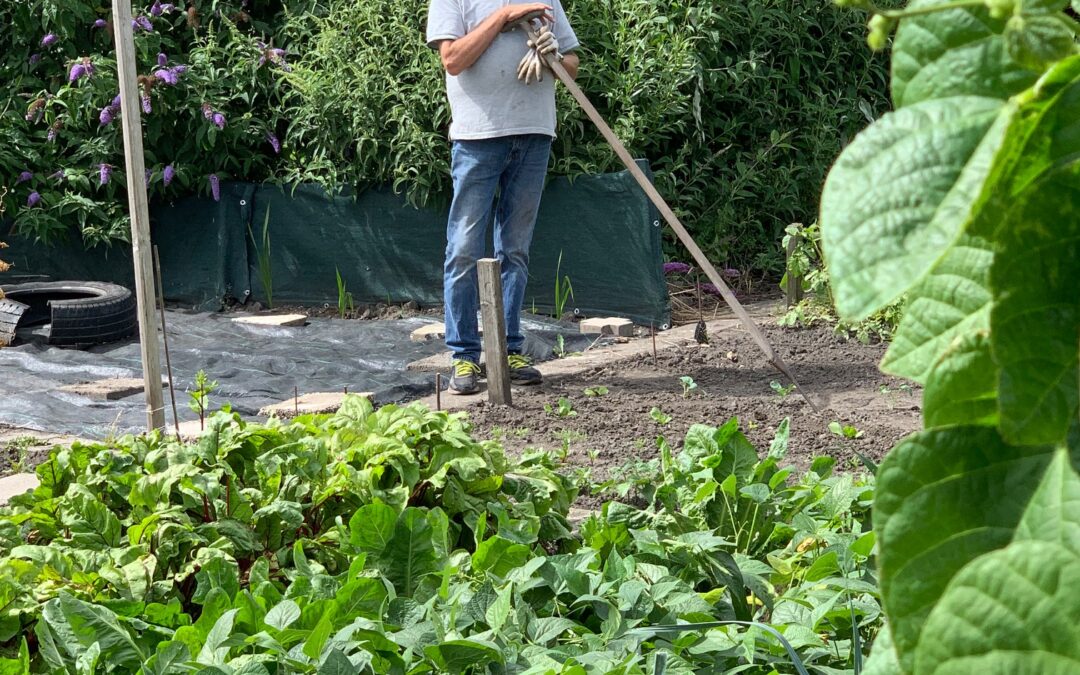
(390, 541)
(965, 198)
(739, 106)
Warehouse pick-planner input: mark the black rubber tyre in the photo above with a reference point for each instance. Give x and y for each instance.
(82, 313)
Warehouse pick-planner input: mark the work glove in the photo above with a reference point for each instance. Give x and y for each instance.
(532, 64)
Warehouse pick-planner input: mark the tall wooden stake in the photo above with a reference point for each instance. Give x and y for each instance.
(491, 313)
(139, 212)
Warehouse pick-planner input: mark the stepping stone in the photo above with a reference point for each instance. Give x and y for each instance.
(432, 331)
(274, 320)
(16, 484)
(608, 326)
(112, 389)
(315, 403)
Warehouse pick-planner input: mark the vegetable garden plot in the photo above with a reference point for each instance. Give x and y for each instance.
(253, 366)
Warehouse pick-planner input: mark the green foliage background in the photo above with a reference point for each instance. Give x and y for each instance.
(740, 107)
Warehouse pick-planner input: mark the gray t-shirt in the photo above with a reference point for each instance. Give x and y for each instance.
(487, 100)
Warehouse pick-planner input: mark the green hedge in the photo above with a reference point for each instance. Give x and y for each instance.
(740, 107)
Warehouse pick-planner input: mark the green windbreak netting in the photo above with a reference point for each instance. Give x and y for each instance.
(386, 251)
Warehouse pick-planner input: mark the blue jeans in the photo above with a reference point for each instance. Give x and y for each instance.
(515, 168)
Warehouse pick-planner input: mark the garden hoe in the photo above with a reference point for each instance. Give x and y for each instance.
(553, 62)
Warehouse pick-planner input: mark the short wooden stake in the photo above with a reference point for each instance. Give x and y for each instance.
(793, 288)
(491, 313)
(652, 329)
(438, 392)
(165, 338)
(296, 400)
(139, 211)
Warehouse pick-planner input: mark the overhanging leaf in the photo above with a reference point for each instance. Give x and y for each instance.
(953, 299)
(1036, 316)
(962, 387)
(902, 193)
(958, 52)
(945, 496)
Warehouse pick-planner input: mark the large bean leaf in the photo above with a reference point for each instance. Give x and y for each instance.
(1016, 611)
(944, 497)
(953, 53)
(962, 387)
(903, 192)
(952, 300)
(1035, 321)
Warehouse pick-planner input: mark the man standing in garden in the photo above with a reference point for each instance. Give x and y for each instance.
(502, 103)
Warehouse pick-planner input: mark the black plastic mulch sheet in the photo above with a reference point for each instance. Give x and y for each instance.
(253, 366)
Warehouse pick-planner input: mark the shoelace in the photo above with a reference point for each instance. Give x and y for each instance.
(463, 368)
(516, 361)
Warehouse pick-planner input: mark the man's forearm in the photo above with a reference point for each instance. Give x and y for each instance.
(458, 55)
(571, 62)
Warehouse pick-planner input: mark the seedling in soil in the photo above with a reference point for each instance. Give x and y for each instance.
(521, 433)
(595, 392)
(200, 397)
(266, 275)
(560, 347)
(660, 417)
(564, 290)
(781, 390)
(845, 431)
(688, 385)
(344, 298)
(563, 409)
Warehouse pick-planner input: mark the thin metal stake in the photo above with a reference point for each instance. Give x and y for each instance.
(165, 339)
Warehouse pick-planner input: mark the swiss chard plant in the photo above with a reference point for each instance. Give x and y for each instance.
(967, 199)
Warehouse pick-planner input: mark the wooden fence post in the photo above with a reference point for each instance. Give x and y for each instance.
(131, 121)
(793, 290)
(491, 313)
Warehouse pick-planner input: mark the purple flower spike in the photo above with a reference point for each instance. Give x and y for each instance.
(106, 116)
(215, 187)
(146, 107)
(142, 23)
(207, 111)
(54, 131)
(274, 142)
(116, 101)
(77, 71)
(156, 9)
(49, 40)
(24, 177)
(100, 23)
(710, 289)
(33, 199)
(35, 59)
(676, 268)
(169, 174)
(162, 60)
(179, 70)
(104, 174)
(167, 75)
(59, 175)
(731, 273)
(219, 120)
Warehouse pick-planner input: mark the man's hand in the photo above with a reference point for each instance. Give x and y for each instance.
(513, 14)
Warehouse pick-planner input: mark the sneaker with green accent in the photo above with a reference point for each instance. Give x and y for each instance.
(465, 379)
(522, 370)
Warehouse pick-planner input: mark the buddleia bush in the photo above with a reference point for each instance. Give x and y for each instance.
(738, 106)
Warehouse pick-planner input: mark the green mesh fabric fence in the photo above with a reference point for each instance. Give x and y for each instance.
(604, 228)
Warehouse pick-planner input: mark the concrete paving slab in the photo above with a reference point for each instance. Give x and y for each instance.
(111, 389)
(607, 326)
(16, 484)
(274, 320)
(433, 331)
(315, 403)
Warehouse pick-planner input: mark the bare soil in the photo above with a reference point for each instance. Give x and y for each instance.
(609, 432)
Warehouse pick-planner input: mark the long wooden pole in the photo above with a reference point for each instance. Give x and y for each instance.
(131, 122)
(672, 220)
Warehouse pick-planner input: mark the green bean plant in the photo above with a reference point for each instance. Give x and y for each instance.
(965, 199)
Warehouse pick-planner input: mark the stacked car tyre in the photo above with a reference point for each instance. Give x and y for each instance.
(81, 314)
